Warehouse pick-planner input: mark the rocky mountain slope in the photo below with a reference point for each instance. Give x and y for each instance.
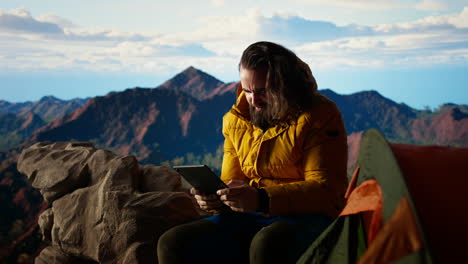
(161, 123)
(18, 121)
(48, 107)
(15, 128)
(184, 116)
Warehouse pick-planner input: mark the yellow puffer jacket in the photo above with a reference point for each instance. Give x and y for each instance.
(301, 165)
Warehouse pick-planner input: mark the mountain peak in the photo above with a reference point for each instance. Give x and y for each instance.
(191, 70)
(49, 98)
(194, 82)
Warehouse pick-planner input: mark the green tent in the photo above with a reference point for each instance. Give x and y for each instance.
(405, 204)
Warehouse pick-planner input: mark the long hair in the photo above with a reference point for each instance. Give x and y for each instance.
(290, 86)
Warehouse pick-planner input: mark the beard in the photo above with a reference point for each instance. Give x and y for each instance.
(259, 118)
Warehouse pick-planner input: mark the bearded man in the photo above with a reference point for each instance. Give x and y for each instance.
(284, 162)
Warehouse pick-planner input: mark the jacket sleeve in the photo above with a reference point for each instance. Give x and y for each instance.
(324, 165)
(231, 168)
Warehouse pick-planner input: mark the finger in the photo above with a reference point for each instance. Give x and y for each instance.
(211, 205)
(206, 197)
(206, 208)
(229, 197)
(230, 192)
(222, 191)
(235, 206)
(232, 204)
(240, 210)
(194, 191)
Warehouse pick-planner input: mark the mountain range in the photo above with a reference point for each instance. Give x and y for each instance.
(175, 123)
(19, 121)
(48, 107)
(183, 115)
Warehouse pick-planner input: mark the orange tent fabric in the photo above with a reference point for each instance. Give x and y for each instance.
(398, 237)
(366, 199)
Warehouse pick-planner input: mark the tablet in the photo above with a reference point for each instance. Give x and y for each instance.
(201, 177)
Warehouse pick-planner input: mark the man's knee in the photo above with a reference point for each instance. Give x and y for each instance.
(270, 243)
(174, 243)
(169, 242)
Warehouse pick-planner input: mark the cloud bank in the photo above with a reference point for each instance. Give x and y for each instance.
(29, 43)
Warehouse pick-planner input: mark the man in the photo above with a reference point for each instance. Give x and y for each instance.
(284, 161)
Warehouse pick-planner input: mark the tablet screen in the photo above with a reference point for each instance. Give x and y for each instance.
(201, 177)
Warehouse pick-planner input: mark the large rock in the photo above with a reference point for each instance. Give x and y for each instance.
(105, 208)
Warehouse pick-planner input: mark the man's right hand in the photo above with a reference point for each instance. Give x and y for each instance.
(206, 202)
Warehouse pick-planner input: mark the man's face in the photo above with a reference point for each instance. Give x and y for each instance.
(253, 84)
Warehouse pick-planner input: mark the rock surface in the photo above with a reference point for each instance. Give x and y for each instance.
(105, 208)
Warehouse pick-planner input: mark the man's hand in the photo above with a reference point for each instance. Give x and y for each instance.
(206, 202)
(240, 197)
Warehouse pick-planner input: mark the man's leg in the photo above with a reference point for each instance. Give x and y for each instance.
(217, 239)
(284, 240)
(269, 245)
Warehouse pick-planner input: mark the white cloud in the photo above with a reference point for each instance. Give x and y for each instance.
(20, 20)
(143, 49)
(54, 19)
(343, 53)
(455, 22)
(130, 49)
(217, 3)
(300, 30)
(219, 28)
(79, 34)
(363, 44)
(431, 5)
(410, 50)
(460, 20)
(216, 45)
(359, 4)
(20, 12)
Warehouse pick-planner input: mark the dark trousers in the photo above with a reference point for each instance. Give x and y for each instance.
(240, 238)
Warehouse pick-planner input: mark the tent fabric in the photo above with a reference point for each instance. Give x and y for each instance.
(399, 237)
(373, 212)
(352, 183)
(437, 178)
(366, 198)
(342, 242)
(378, 161)
(405, 204)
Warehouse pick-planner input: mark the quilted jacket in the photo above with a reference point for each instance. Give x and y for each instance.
(301, 164)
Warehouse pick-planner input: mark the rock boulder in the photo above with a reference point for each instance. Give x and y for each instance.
(105, 208)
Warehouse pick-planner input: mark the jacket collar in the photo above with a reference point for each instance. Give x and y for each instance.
(241, 108)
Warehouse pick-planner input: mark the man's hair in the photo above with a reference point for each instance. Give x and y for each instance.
(290, 85)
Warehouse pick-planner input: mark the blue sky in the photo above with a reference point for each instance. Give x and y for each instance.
(411, 51)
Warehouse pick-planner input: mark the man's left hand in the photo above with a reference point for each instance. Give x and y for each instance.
(240, 197)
